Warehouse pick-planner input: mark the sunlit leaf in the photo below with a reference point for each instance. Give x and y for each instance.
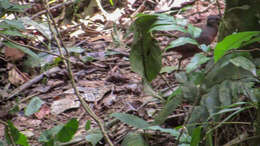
(34, 106)
(134, 139)
(245, 63)
(13, 135)
(68, 130)
(196, 61)
(131, 120)
(181, 41)
(233, 41)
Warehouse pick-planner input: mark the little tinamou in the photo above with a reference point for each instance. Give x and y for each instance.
(208, 34)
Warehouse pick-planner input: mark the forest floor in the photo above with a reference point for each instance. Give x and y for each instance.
(105, 79)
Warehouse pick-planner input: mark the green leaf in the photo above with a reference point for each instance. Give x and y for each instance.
(11, 32)
(34, 106)
(49, 134)
(111, 2)
(196, 61)
(145, 58)
(170, 27)
(149, 90)
(233, 41)
(181, 41)
(181, 77)
(245, 63)
(194, 31)
(88, 125)
(5, 4)
(168, 109)
(196, 136)
(184, 138)
(68, 130)
(204, 48)
(134, 139)
(11, 132)
(131, 120)
(1, 143)
(43, 28)
(12, 24)
(211, 100)
(199, 115)
(168, 69)
(94, 137)
(76, 50)
(225, 93)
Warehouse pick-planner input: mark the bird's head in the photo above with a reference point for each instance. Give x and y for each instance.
(213, 21)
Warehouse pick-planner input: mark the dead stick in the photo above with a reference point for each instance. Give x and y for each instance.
(31, 82)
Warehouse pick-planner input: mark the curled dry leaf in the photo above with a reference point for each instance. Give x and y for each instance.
(15, 76)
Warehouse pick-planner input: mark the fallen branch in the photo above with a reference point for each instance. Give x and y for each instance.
(31, 82)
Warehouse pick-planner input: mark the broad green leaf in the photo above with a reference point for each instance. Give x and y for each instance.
(11, 32)
(196, 61)
(181, 41)
(34, 106)
(136, 60)
(94, 137)
(43, 28)
(225, 93)
(196, 136)
(49, 134)
(170, 27)
(88, 125)
(11, 132)
(194, 31)
(134, 139)
(184, 138)
(131, 120)
(168, 109)
(5, 4)
(68, 130)
(12, 24)
(149, 90)
(181, 77)
(245, 63)
(197, 78)
(233, 41)
(176, 92)
(145, 58)
(143, 23)
(1, 143)
(204, 48)
(211, 100)
(168, 69)
(190, 91)
(198, 115)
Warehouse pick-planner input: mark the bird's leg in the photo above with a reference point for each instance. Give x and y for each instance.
(179, 63)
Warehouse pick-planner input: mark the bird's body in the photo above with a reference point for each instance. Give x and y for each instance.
(207, 35)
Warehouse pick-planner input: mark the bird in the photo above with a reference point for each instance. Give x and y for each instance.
(207, 36)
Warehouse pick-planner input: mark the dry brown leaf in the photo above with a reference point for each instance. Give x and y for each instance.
(45, 110)
(13, 54)
(15, 76)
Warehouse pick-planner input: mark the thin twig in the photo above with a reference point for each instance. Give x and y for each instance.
(188, 118)
(31, 47)
(86, 107)
(219, 9)
(54, 7)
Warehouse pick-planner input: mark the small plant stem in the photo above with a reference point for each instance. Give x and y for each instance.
(58, 39)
